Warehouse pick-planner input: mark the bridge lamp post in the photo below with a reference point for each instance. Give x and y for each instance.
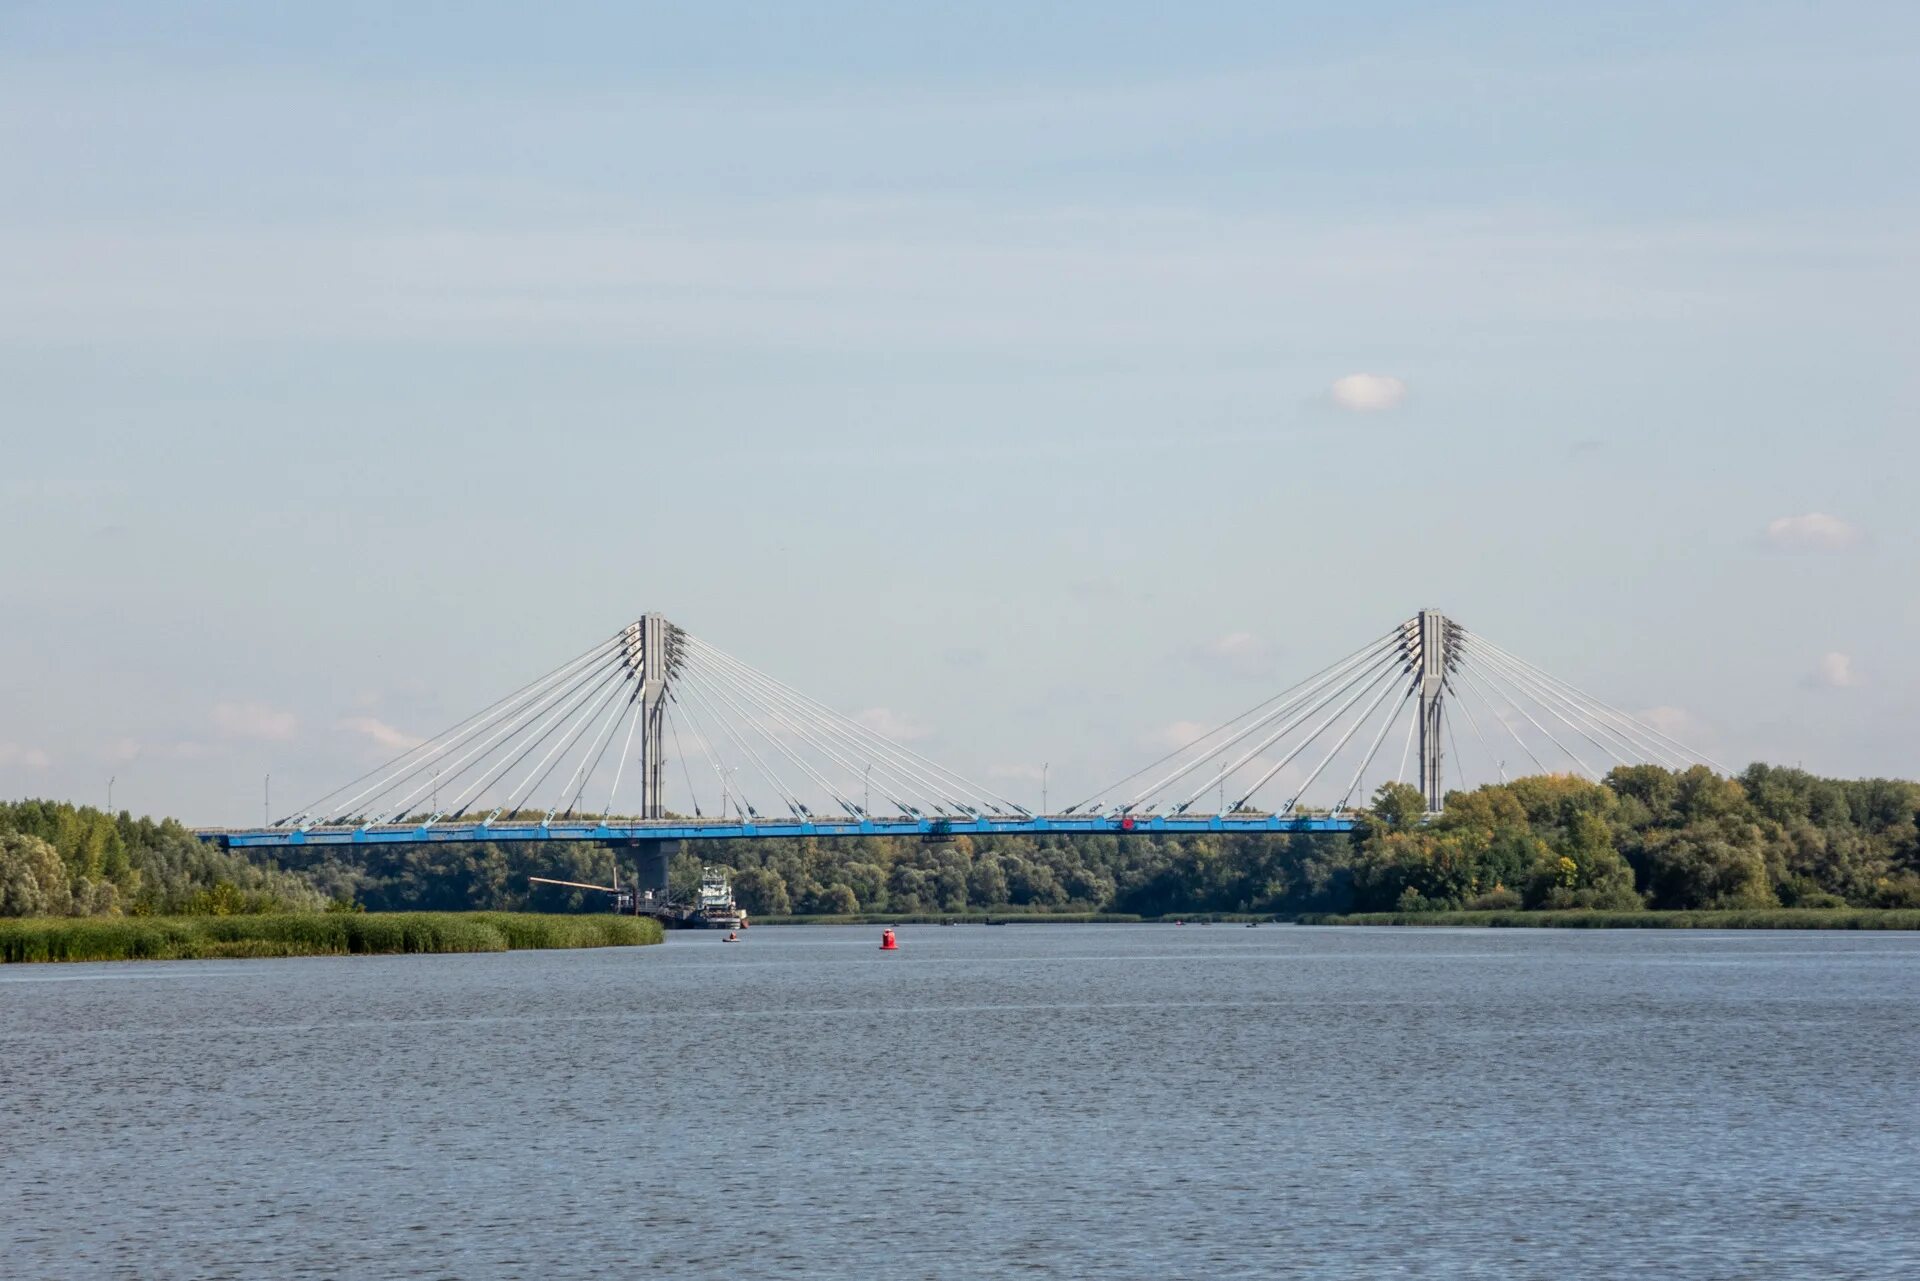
(866, 791)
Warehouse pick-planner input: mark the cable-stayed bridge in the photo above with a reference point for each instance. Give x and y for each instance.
(655, 735)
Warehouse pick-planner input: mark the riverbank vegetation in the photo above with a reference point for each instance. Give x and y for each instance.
(58, 859)
(1779, 918)
(1644, 839)
(166, 938)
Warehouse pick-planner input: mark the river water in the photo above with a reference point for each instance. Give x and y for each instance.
(1124, 1101)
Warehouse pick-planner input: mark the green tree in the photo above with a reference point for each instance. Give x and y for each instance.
(950, 888)
(762, 892)
(33, 880)
(1708, 866)
(1399, 805)
(987, 884)
(1034, 885)
(868, 881)
(1586, 869)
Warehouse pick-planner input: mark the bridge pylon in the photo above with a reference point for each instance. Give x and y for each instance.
(653, 647)
(1435, 658)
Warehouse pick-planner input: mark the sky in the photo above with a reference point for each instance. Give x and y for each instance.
(1029, 379)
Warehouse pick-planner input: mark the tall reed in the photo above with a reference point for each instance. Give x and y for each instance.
(158, 938)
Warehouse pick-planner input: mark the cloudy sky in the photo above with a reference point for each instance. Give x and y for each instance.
(1029, 384)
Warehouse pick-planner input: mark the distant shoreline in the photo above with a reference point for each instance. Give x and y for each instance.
(956, 918)
(1784, 918)
(180, 938)
(1777, 918)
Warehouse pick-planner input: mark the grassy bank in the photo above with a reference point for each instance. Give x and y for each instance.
(1782, 918)
(171, 938)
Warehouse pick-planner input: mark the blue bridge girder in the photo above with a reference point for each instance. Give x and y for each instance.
(754, 829)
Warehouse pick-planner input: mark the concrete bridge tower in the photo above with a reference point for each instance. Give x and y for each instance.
(653, 652)
(1435, 655)
(660, 642)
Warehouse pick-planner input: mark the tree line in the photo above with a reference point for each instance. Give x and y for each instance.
(58, 859)
(1642, 837)
(1646, 837)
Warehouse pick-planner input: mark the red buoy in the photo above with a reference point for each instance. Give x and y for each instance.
(887, 942)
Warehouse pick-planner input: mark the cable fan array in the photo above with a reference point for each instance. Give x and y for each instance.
(560, 747)
(798, 747)
(1321, 740)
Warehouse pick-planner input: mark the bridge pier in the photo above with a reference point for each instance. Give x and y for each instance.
(649, 860)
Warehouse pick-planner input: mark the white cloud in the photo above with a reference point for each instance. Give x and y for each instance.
(121, 750)
(1234, 644)
(28, 757)
(381, 734)
(254, 720)
(1176, 734)
(1676, 723)
(1239, 653)
(1025, 773)
(1836, 671)
(1368, 393)
(124, 750)
(891, 724)
(1812, 531)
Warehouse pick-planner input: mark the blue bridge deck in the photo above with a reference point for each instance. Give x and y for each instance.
(735, 829)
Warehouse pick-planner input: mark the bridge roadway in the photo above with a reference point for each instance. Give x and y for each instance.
(738, 829)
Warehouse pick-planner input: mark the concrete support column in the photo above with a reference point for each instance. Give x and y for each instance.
(649, 860)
